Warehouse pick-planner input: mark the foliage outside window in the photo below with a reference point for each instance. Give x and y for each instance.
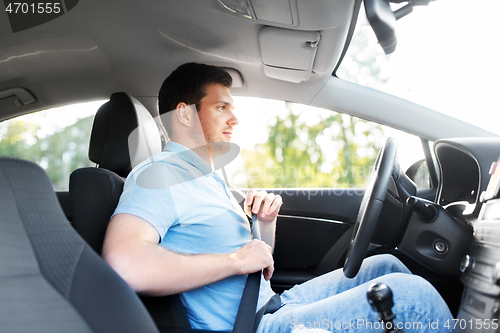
(57, 140)
(311, 148)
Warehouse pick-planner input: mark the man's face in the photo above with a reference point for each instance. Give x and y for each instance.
(216, 114)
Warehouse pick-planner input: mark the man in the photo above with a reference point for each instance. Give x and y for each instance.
(178, 229)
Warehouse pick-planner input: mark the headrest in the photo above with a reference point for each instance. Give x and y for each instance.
(123, 135)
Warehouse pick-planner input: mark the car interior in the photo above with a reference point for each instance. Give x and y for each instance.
(52, 278)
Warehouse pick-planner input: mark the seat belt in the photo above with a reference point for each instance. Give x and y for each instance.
(246, 317)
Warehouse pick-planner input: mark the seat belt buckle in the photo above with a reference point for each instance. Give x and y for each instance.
(256, 227)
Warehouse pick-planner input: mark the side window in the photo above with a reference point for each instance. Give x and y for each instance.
(422, 177)
(287, 145)
(56, 139)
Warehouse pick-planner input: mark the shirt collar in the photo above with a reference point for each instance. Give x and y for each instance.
(189, 156)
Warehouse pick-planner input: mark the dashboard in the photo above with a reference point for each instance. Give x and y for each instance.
(470, 173)
(464, 165)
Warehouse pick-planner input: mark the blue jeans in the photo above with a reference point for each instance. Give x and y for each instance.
(338, 304)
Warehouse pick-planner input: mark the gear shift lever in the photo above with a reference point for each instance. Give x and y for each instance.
(380, 298)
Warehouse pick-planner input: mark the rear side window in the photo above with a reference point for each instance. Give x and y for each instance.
(56, 139)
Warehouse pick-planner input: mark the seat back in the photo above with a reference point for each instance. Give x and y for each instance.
(123, 134)
(50, 279)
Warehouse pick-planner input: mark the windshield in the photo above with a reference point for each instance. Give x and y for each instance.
(447, 59)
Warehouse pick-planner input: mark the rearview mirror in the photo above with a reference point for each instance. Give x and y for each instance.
(383, 20)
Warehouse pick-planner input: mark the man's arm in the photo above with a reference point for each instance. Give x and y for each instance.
(266, 206)
(131, 248)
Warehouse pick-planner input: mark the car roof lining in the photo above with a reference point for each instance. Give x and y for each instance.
(352, 28)
(133, 47)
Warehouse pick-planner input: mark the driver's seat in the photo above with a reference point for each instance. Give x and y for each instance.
(124, 133)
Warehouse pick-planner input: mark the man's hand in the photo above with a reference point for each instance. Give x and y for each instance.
(131, 248)
(265, 205)
(255, 256)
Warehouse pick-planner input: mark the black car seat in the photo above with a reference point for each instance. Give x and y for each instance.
(50, 279)
(94, 192)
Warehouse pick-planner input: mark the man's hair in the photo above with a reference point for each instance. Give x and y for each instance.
(187, 84)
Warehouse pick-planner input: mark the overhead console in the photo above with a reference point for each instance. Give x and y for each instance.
(464, 165)
(298, 14)
(297, 39)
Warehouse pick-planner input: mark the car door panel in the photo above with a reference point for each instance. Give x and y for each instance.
(313, 232)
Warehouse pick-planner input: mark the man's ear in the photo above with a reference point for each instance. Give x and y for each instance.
(184, 114)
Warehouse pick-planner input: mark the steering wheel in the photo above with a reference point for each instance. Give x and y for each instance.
(370, 208)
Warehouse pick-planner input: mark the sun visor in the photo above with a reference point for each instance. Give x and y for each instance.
(288, 55)
(236, 76)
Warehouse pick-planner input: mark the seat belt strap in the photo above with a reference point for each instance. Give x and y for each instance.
(245, 318)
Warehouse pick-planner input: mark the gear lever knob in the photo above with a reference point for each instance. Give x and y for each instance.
(380, 298)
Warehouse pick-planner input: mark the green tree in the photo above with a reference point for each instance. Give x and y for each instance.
(17, 137)
(64, 151)
(335, 151)
(59, 153)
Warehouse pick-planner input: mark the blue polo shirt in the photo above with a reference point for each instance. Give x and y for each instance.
(194, 212)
